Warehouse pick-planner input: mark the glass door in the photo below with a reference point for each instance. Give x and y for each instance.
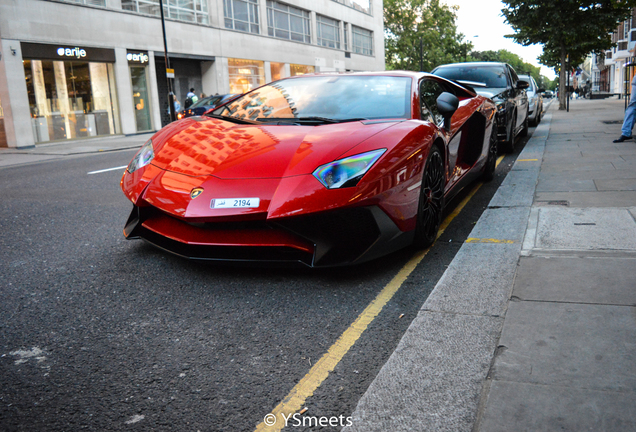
(140, 97)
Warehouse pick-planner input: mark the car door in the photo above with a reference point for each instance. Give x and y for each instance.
(520, 98)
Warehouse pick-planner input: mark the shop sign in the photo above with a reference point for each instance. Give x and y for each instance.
(66, 52)
(138, 57)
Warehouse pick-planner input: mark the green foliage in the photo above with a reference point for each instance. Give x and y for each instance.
(566, 28)
(407, 22)
(505, 56)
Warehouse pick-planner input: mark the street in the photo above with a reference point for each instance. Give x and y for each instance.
(101, 333)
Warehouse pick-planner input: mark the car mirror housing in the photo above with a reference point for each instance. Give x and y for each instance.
(447, 104)
(522, 85)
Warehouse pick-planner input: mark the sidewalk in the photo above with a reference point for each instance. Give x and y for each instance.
(42, 152)
(533, 325)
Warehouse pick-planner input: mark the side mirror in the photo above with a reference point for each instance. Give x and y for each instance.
(447, 104)
(522, 85)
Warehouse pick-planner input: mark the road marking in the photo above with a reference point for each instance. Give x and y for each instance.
(527, 160)
(107, 169)
(305, 388)
(487, 240)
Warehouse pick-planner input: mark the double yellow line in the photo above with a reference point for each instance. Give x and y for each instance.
(320, 371)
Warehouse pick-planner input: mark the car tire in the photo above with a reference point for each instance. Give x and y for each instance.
(509, 145)
(431, 201)
(491, 161)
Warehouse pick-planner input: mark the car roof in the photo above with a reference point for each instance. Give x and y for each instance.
(477, 64)
(398, 73)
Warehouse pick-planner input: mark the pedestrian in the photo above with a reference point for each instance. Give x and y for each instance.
(177, 105)
(630, 116)
(191, 98)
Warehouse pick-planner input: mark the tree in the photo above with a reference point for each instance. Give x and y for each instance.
(567, 29)
(407, 22)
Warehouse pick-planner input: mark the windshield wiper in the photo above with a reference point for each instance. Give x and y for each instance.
(310, 119)
(232, 119)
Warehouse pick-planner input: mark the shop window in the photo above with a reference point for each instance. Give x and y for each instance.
(71, 100)
(277, 70)
(328, 32)
(288, 22)
(245, 75)
(295, 69)
(182, 10)
(241, 15)
(362, 41)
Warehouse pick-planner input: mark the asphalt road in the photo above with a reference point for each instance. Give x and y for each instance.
(104, 334)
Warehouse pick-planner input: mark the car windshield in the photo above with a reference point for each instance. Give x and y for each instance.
(324, 98)
(210, 100)
(488, 76)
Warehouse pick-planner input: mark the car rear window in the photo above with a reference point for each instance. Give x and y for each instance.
(489, 76)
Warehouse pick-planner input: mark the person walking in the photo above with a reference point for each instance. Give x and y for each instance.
(191, 98)
(630, 116)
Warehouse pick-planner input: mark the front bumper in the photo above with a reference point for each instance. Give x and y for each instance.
(333, 238)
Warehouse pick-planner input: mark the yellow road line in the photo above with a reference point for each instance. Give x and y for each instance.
(320, 371)
(527, 160)
(487, 240)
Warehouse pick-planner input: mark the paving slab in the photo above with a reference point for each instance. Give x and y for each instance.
(577, 280)
(589, 199)
(585, 228)
(568, 344)
(628, 184)
(525, 407)
(516, 190)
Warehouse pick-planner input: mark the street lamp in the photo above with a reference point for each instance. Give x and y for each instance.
(171, 102)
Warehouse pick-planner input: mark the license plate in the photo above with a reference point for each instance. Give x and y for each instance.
(225, 203)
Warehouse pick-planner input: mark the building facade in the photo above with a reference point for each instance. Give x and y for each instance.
(611, 71)
(72, 69)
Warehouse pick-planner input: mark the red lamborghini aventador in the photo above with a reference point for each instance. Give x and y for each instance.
(322, 170)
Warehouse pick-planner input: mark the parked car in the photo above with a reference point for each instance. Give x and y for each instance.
(205, 104)
(500, 82)
(535, 100)
(322, 170)
(548, 94)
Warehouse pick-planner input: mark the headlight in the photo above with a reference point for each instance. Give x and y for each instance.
(142, 158)
(347, 172)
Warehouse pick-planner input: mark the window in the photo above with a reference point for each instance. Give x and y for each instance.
(241, 15)
(89, 2)
(346, 36)
(429, 92)
(183, 10)
(362, 41)
(328, 32)
(245, 75)
(287, 22)
(361, 5)
(296, 69)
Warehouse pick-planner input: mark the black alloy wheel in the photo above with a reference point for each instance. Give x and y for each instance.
(431, 203)
(491, 162)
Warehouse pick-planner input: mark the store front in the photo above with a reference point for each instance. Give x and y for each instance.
(137, 63)
(245, 75)
(71, 91)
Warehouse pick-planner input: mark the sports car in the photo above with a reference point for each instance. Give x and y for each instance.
(318, 170)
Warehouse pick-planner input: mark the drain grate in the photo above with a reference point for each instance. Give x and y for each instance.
(559, 203)
(612, 121)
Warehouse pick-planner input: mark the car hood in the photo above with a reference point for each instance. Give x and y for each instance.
(491, 93)
(201, 146)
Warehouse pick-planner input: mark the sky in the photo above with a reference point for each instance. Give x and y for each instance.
(483, 24)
